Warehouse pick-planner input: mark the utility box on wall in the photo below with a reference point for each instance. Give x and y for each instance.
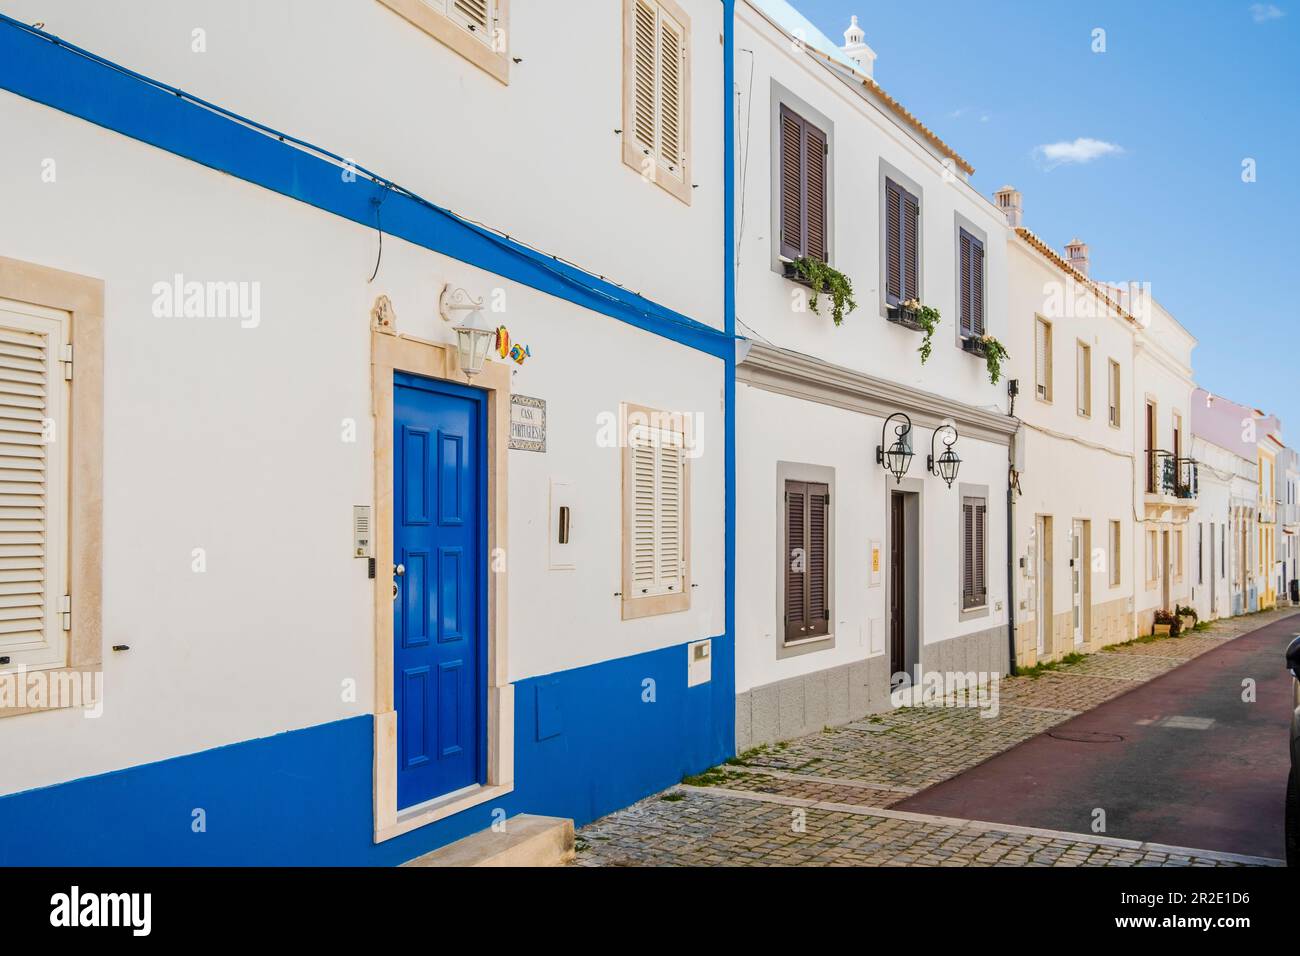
(699, 663)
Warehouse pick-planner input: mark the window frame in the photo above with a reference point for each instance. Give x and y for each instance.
(1114, 394)
(632, 416)
(634, 154)
(82, 298)
(973, 603)
(1082, 379)
(1116, 553)
(492, 56)
(1046, 395)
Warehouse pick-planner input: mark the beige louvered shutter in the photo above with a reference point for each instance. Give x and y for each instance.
(1041, 358)
(658, 563)
(33, 484)
(474, 15)
(644, 576)
(672, 114)
(644, 76)
(670, 562)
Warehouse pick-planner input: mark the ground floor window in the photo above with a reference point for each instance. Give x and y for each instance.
(807, 560)
(973, 552)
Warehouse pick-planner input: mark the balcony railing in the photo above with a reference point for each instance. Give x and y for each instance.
(1170, 475)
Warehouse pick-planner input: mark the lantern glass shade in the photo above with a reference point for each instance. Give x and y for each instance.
(949, 464)
(897, 459)
(472, 344)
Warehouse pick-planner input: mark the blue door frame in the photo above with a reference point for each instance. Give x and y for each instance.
(440, 520)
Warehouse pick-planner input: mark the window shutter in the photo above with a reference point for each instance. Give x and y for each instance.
(815, 191)
(644, 76)
(893, 243)
(818, 560)
(1040, 357)
(796, 560)
(671, 92)
(658, 562)
(911, 248)
(792, 179)
(807, 560)
(965, 270)
(981, 585)
(968, 553)
(33, 487)
(475, 15)
(977, 286)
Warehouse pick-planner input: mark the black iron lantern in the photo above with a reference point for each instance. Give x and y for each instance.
(948, 463)
(899, 456)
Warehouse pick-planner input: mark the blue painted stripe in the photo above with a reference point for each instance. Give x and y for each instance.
(598, 742)
(41, 67)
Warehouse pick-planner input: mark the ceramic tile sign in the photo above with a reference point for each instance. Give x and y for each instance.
(527, 423)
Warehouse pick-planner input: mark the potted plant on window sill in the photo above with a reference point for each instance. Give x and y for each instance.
(911, 314)
(993, 352)
(822, 278)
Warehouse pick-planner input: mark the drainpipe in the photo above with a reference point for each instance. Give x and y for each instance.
(1011, 560)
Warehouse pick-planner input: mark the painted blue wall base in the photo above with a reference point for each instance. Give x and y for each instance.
(304, 797)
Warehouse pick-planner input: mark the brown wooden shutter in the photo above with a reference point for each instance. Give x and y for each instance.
(815, 192)
(893, 243)
(807, 560)
(964, 274)
(981, 585)
(911, 247)
(796, 607)
(977, 287)
(967, 553)
(792, 178)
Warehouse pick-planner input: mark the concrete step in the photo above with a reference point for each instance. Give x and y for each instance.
(526, 840)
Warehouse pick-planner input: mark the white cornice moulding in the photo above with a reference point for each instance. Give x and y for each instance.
(802, 376)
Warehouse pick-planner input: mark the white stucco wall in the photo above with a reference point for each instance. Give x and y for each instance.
(863, 136)
(773, 428)
(538, 158)
(229, 439)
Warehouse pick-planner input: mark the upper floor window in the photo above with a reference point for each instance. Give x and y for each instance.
(803, 155)
(1043, 359)
(970, 269)
(656, 93)
(1083, 380)
(902, 244)
(476, 29)
(1113, 387)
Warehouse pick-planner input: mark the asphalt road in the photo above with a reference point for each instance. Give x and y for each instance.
(1180, 760)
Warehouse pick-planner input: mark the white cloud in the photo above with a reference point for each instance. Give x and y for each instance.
(1081, 150)
(1263, 12)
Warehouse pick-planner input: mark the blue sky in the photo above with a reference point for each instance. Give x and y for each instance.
(1187, 89)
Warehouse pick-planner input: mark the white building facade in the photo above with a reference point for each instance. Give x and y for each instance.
(847, 572)
(1072, 348)
(335, 598)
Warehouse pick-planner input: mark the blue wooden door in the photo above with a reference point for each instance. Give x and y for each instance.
(440, 515)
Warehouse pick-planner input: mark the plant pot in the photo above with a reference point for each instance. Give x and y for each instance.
(904, 317)
(974, 346)
(790, 272)
(1162, 630)
(1189, 622)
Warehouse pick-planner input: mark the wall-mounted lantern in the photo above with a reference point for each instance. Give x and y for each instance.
(948, 463)
(473, 339)
(899, 455)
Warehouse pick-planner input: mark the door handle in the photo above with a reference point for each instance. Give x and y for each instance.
(399, 569)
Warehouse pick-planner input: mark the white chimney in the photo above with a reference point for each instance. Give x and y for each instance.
(1076, 252)
(857, 50)
(1008, 200)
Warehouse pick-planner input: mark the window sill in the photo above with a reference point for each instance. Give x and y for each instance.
(635, 157)
(495, 63)
(805, 641)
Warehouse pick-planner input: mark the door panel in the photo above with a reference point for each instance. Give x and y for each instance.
(438, 617)
(897, 593)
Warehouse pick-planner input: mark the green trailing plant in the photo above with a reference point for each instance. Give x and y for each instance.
(823, 278)
(927, 317)
(995, 353)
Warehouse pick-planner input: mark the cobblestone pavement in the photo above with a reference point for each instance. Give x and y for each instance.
(844, 779)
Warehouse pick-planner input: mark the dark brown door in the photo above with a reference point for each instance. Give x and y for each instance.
(897, 621)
